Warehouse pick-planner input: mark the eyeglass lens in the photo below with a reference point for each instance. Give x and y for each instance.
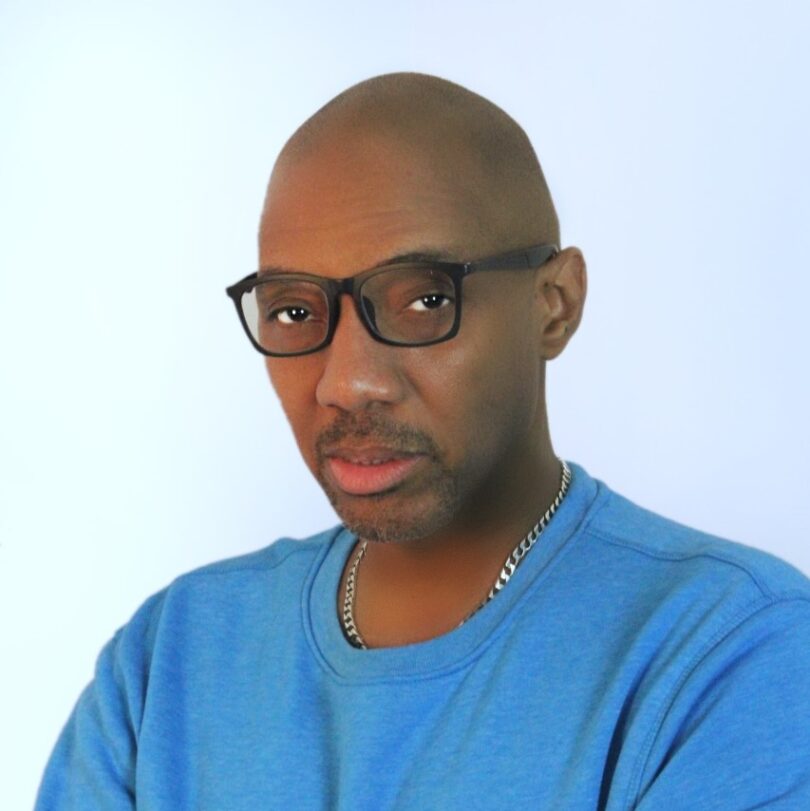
(412, 304)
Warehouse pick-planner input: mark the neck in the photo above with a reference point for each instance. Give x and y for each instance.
(408, 593)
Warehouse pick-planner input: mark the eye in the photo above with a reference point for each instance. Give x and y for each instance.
(430, 301)
(289, 315)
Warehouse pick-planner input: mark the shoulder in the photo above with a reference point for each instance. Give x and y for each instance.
(713, 638)
(281, 552)
(677, 591)
(680, 553)
(264, 581)
(186, 622)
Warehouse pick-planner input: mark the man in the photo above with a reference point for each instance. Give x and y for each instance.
(489, 627)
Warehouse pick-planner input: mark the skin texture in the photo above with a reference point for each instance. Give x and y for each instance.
(348, 192)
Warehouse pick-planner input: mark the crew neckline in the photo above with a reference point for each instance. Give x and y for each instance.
(454, 649)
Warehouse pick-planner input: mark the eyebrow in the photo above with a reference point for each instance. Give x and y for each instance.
(418, 256)
(397, 259)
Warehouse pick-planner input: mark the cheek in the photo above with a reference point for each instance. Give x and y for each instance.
(478, 392)
(295, 393)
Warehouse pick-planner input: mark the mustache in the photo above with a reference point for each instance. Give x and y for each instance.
(375, 429)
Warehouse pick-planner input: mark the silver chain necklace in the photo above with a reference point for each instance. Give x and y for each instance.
(512, 562)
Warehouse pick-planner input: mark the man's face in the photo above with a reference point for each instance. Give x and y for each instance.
(463, 411)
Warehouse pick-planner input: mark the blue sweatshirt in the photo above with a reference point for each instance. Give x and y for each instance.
(630, 662)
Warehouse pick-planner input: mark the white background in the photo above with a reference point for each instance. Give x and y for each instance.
(139, 435)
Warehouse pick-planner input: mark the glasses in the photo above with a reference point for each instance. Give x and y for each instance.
(404, 303)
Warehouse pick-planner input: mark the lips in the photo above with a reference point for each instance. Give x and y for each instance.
(368, 470)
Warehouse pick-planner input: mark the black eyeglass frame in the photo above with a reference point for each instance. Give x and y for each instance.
(522, 259)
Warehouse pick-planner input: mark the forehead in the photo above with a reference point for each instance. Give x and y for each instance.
(359, 199)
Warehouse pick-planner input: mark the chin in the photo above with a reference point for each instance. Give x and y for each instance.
(386, 530)
(383, 519)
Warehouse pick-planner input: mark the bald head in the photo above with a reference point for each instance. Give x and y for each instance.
(471, 144)
(408, 168)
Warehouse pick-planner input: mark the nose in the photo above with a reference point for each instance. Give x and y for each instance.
(358, 370)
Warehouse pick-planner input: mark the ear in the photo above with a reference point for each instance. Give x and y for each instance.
(560, 291)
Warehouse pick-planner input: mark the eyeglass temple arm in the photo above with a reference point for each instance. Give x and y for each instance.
(519, 260)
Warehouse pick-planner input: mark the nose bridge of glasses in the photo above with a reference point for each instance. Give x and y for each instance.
(350, 287)
(363, 310)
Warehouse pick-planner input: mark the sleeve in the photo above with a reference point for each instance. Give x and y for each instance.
(737, 733)
(92, 766)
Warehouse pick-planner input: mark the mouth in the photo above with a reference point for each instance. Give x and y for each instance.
(363, 472)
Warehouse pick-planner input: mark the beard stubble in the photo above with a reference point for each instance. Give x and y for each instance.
(395, 515)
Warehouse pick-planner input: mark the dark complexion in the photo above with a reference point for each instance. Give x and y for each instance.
(473, 407)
